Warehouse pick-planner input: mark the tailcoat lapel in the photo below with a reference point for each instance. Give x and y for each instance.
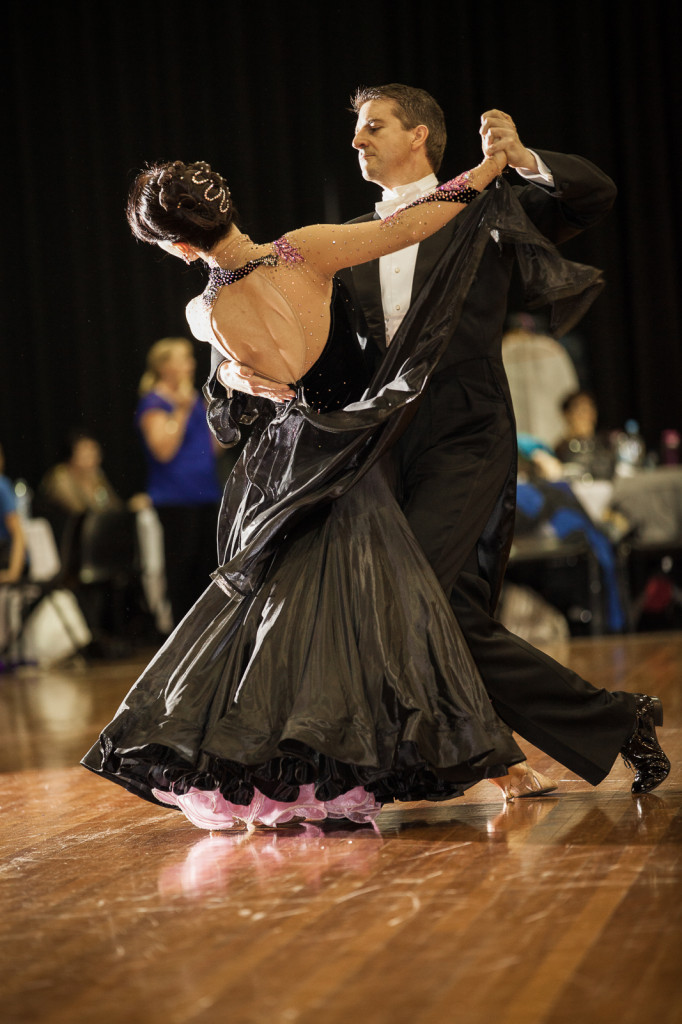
(368, 293)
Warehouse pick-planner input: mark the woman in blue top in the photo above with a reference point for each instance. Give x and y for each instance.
(182, 479)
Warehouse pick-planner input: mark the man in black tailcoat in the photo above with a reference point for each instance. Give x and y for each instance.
(457, 458)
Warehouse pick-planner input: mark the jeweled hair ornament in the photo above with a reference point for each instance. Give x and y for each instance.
(221, 193)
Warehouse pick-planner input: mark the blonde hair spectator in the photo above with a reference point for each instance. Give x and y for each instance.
(157, 356)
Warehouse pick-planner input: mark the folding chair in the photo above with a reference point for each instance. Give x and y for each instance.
(45, 621)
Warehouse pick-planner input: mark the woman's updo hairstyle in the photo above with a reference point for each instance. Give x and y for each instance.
(176, 202)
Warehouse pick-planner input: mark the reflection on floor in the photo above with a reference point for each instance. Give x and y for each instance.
(559, 909)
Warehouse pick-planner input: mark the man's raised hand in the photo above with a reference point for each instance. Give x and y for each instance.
(499, 134)
(237, 377)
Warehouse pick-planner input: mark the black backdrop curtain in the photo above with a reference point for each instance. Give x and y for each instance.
(93, 91)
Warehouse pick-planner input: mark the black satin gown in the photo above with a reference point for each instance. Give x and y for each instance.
(343, 668)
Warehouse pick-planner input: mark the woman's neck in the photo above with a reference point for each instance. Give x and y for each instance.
(233, 251)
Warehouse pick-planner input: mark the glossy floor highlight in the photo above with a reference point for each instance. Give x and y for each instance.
(552, 910)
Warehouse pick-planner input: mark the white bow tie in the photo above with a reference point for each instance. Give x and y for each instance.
(388, 206)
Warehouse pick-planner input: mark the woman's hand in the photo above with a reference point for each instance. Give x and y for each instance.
(237, 377)
(500, 158)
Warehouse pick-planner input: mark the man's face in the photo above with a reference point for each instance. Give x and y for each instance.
(384, 147)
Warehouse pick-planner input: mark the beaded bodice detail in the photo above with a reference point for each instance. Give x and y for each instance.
(283, 252)
(218, 277)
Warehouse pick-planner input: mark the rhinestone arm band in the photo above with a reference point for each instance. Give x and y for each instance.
(457, 190)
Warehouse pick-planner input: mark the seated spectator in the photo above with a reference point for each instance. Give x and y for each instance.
(12, 539)
(582, 445)
(536, 454)
(79, 484)
(72, 491)
(549, 505)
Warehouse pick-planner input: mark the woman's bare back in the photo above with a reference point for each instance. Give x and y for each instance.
(275, 320)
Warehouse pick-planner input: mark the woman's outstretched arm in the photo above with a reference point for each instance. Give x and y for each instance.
(329, 247)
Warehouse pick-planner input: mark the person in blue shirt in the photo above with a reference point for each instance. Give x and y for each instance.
(12, 539)
(543, 499)
(182, 476)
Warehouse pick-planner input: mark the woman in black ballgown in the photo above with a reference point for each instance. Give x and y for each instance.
(322, 672)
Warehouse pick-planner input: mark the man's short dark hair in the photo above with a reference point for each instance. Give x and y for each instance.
(412, 107)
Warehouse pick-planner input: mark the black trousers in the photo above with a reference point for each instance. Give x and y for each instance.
(552, 707)
(190, 552)
(453, 462)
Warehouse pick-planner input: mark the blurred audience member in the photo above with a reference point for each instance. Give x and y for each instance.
(12, 539)
(591, 452)
(670, 447)
(79, 484)
(182, 479)
(540, 456)
(94, 529)
(540, 373)
(546, 504)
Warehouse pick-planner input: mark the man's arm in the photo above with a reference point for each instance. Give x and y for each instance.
(581, 194)
(228, 376)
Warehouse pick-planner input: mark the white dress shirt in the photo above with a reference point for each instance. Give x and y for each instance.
(396, 271)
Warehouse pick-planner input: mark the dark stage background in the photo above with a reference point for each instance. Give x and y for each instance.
(92, 91)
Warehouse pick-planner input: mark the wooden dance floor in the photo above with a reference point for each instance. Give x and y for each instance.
(561, 910)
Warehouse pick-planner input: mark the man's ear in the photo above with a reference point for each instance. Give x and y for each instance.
(419, 136)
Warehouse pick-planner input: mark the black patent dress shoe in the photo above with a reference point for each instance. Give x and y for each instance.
(642, 752)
